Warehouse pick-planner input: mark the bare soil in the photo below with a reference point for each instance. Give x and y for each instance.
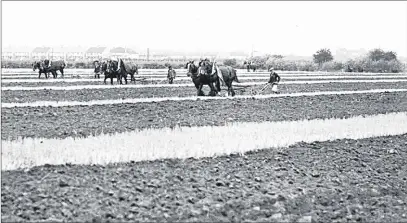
(82, 121)
(164, 81)
(122, 93)
(338, 181)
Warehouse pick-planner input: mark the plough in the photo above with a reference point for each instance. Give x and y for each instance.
(274, 88)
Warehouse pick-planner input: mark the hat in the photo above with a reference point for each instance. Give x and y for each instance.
(271, 68)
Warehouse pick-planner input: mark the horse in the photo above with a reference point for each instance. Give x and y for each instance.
(107, 73)
(41, 70)
(116, 69)
(198, 80)
(249, 66)
(54, 66)
(171, 76)
(131, 68)
(203, 75)
(228, 74)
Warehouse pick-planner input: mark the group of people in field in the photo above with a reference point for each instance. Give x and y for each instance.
(206, 73)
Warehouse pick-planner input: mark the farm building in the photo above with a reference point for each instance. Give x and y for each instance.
(40, 53)
(68, 53)
(95, 53)
(125, 53)
(16, 53)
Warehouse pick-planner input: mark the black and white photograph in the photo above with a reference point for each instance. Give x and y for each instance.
(204, 111)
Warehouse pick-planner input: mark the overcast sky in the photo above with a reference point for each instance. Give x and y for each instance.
(298, 28)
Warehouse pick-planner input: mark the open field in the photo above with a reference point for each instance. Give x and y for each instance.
(330, 147)
(151, 144)
(25, 71)
(89, 94)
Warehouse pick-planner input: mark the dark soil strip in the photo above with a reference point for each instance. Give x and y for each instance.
(117, 93)
(164, 81)
(342, 180)
(61, 122)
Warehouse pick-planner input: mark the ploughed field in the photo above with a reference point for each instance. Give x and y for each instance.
(360, 176)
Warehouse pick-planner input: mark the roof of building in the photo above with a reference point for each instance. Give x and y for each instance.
(122, 50)
(41, 49)
(17, 49)
(69, 49)
(96, 50)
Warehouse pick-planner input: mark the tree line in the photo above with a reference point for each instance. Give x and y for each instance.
(376, 60)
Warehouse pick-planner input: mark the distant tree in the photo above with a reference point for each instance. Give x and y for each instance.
(79, 65)
(389, 56)
(230, 62)
(323, 56)
(260, 61)
(275, 61)
(376, 54)
(379, 54)
(277, 56)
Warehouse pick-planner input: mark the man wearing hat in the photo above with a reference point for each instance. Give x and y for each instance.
(273, 81)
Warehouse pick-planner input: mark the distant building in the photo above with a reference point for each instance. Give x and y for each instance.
(76, 53)
(40, 53)
(158, 57)
(16, 53)
(95, 53)
(68, 53)
(125, 53)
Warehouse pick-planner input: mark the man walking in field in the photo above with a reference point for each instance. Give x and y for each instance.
(171, 74)
(273, 81)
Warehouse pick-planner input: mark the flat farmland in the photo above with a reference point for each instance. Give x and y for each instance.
(14, 96)
(330, 151)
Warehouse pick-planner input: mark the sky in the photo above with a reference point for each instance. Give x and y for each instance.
(299, 28)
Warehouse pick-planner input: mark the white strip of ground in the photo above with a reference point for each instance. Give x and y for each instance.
(191, 98)
(244, 84)
(21, 80)
(141, 71)
(197, 142)
(163, 75)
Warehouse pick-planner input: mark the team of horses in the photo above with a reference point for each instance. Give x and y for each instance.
(205, 73)
(46, 66)
(250, 65)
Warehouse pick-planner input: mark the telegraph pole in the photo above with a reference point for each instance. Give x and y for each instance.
(251, 57)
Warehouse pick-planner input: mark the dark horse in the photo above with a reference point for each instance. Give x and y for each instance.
(249, 66)
(116, 69)
(131, 68)
(106, 72)
(41, 70)
(54, 66)
(207, 74)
